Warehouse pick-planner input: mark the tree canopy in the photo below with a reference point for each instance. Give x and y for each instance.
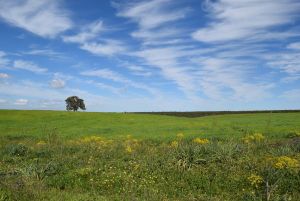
(74, 103)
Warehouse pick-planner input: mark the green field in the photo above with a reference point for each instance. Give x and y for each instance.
(56, 155)
(112, 125)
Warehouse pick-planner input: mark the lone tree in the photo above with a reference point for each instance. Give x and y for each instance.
(73, 103)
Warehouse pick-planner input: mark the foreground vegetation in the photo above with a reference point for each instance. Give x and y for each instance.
(246, 161)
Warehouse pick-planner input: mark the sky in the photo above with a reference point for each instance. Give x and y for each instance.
(150, 55)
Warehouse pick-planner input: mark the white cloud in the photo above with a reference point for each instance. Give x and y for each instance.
(137, 68)
(167, 52)
(233, 20)
(295, 46)
(45, 18)
(29, 66)
(224, 77)
(168, 61)
(2, 54)
(57, 83)
(44, 52)
(170, 54)
(220, 71)
(36, 90)
(162, 33)
(116, 77)
(63, 76)
(88, 32)
(89, 40)
(139, 71)
(105, 74)
(21, 102)
(2, 101)
(4, 76)
(107, 87)
(244, 28)
(151, 14)
(3, 61)
(107, 48)
(162, 27)
(287, 62)
(291, 78)
(166, 35)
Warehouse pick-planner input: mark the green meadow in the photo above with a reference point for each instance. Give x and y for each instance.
(56, 155)
(114, 125)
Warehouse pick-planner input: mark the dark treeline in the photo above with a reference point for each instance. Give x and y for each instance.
(207, 113)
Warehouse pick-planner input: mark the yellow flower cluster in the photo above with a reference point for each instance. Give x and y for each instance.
(255, 180)
(201, 141)
(256, 137)
(180, 136)
(96, 140)
(294, 134)
(41, 143)
(91, 139)
(128, 149)
(174, 144)
(285, 162)
(131, 144)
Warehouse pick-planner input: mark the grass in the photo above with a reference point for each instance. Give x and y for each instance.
(47, 155)
(143, 126)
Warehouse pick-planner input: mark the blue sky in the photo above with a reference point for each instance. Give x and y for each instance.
(154, 55)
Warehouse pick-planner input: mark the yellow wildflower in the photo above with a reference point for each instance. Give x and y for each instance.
(256, 137)
(294, 134)
(96, 140)
(200, 140)
(255, 180)
(285, 162)
(91, 139)
(128, 149)
(174, 144)
(180, 135)
(41, 143)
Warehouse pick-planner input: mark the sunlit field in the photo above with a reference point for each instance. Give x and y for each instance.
(47, 155)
